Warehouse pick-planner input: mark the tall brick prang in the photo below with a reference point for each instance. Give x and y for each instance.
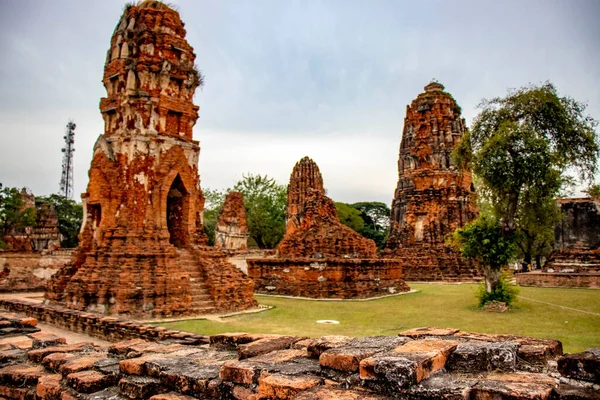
(140, 251)
(305, 176)
(433, 196)
(319, 256)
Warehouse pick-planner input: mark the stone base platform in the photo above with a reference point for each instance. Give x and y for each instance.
(434, 264)
(335, 278)
(422, 363)
(559, 279)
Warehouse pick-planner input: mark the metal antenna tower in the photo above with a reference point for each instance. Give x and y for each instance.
(66, 180)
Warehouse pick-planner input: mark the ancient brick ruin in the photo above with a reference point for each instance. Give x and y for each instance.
(575, 260)
(231, 230)
(433, 196)
(417, 364)
(319, 256)
(141, 250)
(43, 236)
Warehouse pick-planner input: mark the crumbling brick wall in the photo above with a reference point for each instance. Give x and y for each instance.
(143, 205)
(231, 230)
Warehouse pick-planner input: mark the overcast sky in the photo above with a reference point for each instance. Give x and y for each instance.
(284, 79)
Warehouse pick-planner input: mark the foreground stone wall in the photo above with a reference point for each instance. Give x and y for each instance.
(28, 271)
(423, 363)
(333, 278)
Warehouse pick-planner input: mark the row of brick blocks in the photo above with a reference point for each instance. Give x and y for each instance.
(424, 363)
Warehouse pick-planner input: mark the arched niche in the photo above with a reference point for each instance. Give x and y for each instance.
(178, 205)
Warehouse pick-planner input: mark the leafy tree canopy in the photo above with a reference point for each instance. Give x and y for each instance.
(521, 145)
(14, 215)
(350, 216)
(521, 148)
(593, 191)
(370, 219)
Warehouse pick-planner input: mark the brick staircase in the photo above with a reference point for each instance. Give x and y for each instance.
(202, 302)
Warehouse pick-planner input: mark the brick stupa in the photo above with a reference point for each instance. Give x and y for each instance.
(320, 257)
(231, 230)
(433, 197)
(141, 250)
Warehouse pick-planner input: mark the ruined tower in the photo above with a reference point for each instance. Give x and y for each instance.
(305, 177)
(231, 230)
(140, 250)
(433, 197)
(313, 228)
(319, 256)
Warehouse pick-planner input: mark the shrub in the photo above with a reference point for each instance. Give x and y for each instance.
(504, 291)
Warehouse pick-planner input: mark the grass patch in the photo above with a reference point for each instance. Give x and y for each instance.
(452, 306)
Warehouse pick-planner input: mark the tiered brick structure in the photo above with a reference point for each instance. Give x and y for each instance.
(575, 261)
(139, 251)
(231, 231)
(433, 197)
(319, 256)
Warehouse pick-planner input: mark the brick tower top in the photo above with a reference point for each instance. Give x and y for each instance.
(305, 177)
(149, 75)
(433, 196)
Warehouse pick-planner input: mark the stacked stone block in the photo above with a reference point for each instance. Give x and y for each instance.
(422, 363)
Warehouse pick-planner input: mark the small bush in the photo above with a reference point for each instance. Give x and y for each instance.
(504, 292)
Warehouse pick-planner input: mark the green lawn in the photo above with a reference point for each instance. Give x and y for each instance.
(434, 305)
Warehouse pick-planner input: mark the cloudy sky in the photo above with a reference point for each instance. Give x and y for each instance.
(284, 79)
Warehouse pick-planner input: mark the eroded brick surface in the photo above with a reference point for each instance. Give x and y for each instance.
(585, 365)
(434, 363)
(319, 256)
(433, 196)
(231, 230)
(142, 243)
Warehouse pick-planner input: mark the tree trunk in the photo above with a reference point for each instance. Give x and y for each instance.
(511, 212)
(491, 276)
(259, 242)
(538, 261)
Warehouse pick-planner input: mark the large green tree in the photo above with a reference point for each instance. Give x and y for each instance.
(370, 219)
(350, 216)
(14, 215)
(70, 217)
(376, 217)
(521, 147)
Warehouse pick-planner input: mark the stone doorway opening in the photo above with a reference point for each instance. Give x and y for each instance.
(177, 209)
